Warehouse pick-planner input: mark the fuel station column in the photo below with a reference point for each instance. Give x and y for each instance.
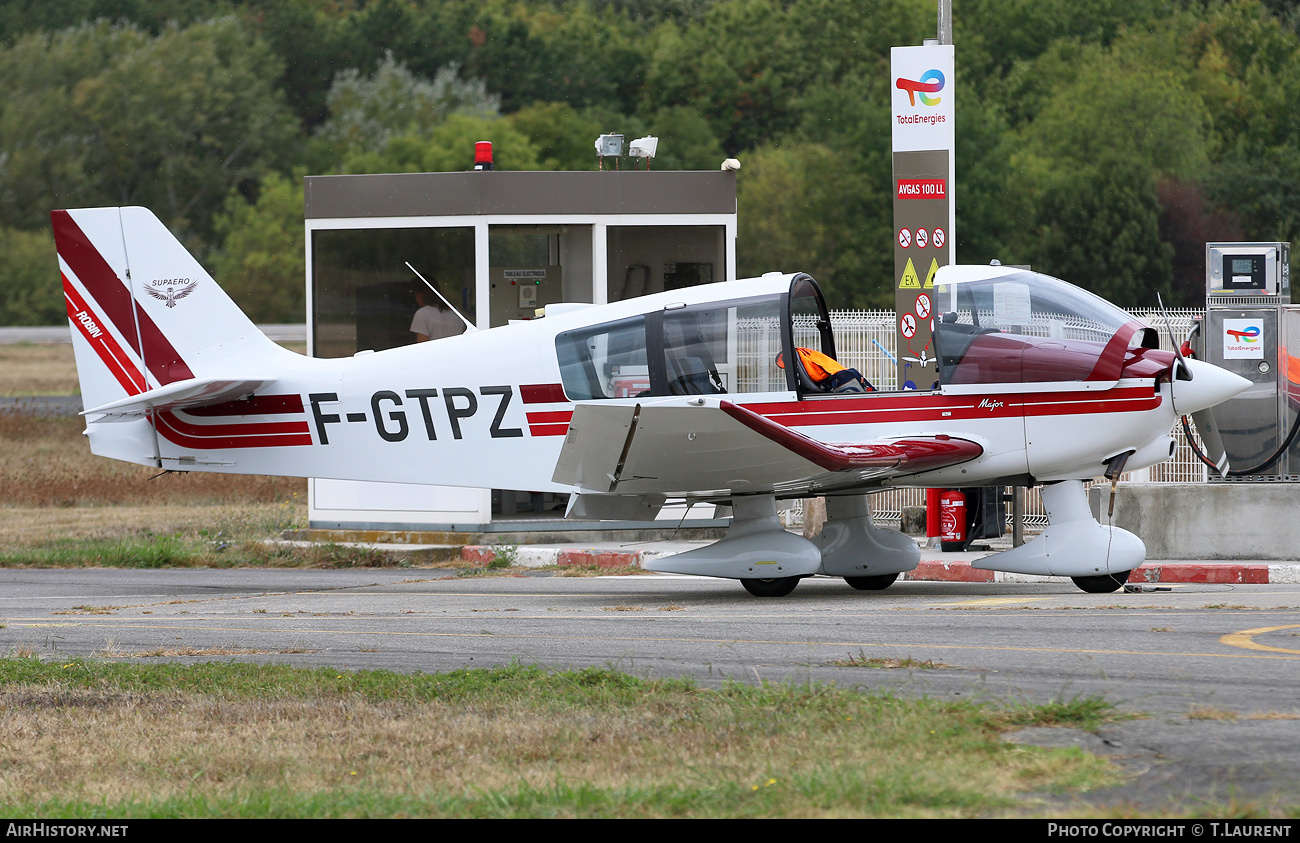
(924, 213)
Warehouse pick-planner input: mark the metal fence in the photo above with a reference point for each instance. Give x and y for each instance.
(865, 340)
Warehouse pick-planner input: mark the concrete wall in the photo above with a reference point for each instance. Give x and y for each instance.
(1239, 521)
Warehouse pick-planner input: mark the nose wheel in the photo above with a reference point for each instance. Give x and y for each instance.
(876, 583)
(1102, 584)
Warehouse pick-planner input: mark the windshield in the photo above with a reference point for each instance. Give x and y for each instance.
(994, 325)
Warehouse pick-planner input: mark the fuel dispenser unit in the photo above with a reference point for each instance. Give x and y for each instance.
(1252, 329)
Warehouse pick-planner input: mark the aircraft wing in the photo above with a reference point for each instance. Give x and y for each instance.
(701, 448)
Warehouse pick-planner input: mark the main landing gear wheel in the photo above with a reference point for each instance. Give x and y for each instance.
(876, 583)
(1102, 584)
(779, 587)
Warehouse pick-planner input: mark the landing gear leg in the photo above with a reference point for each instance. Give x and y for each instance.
(1098, 558)
(869, 558)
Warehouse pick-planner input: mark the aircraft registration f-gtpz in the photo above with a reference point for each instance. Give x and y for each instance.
(704, 394)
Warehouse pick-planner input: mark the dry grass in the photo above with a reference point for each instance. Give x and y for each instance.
(645, 749)
(47, 463)
(37, 369)
(59, 499)
(51, 369)
(112, 651)
(908, 663)
(1210, 712)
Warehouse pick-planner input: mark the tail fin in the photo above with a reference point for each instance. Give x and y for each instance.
(150, 327)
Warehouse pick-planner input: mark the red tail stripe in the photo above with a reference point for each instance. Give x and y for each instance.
(76, 249)
(110, 353)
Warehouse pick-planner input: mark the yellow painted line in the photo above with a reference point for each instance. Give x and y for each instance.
(1246, 639)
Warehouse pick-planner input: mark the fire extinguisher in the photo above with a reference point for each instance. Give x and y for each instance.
(952, 521)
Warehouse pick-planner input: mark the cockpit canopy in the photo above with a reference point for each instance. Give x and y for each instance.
(991, 325)
(1004, 325)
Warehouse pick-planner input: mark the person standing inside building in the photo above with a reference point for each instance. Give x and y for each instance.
(434, 320)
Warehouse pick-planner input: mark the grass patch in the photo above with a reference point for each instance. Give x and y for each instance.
(148, 550)
(1083, 712)
(83, 738)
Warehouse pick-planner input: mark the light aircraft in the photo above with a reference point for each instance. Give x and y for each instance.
(673, 396)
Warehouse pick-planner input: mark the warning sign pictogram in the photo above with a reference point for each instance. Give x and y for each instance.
(921, 237)
(908, 325)
(938, 238)
(929, 278)
(910, 279)
(904, 238)
(923, 306)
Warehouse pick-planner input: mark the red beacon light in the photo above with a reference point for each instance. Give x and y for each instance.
(483, 155)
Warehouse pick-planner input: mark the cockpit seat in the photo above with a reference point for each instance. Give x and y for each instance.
(825, 374)
(692, 377)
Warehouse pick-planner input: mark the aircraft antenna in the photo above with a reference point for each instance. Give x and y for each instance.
(469, 326)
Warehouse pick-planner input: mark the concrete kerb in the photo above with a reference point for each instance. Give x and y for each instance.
(935, 566)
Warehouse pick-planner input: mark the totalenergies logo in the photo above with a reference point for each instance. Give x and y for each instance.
(1251, 334)
(931, 82)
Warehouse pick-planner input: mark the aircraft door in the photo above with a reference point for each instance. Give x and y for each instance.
(810, 327)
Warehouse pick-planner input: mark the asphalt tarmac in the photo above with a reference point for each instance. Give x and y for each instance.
(1212, 670)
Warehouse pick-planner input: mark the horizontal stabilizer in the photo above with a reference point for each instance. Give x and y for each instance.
(194, 392)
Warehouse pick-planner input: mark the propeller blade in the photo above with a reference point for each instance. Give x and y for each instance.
(1173, 341)
(1209, 431)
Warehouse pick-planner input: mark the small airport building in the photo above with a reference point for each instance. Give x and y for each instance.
(496, 246)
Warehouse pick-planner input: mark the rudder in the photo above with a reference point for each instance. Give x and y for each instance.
(144, 314)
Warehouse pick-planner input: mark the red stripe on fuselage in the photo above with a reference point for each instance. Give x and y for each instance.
(99, 279)
(885, 409)
(542, 393)
(548, 429)
(556, 417)
(217, 436)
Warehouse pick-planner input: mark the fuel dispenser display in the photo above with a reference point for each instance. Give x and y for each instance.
(1252, 329)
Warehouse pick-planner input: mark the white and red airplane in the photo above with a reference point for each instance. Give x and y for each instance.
(697, 394)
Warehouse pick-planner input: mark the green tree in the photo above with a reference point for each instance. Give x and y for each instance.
(566, 136)
(1099, 227)
(261, 262)
(449, 147)
(366, 111)
(109, 115)
(30, 293)
(790, 199)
